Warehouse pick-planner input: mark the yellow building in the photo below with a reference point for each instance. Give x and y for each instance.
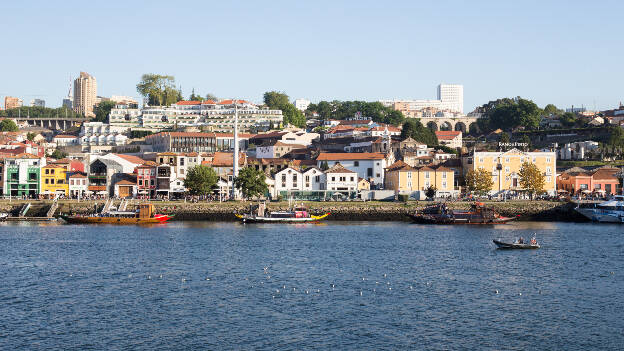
(505, 168)
(54, 180)
(415, 181)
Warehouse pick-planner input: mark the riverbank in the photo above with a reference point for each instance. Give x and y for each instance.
(360, 211)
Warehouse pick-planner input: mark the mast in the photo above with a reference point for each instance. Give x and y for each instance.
(235, 158)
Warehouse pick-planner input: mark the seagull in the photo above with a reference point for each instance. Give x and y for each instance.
(496, 291)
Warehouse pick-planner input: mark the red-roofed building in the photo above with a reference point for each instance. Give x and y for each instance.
(368, 165)
(449, 138)
(195, 141)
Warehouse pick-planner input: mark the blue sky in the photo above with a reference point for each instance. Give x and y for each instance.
(561, 52)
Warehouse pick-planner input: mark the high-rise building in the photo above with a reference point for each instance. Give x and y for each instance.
(37, 103)
(302, 104)
(12, 102)
(452, 96)
(67, 102)
(85, 92)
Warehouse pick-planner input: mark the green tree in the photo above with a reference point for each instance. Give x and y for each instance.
(211, 97)
(347, 109)
(616, 137)
(159, 89)
(430, 192)
(508, 114)
(479, 181)
(275, 99)
(36, 111)
(531, 179)
(102, 110)
(8, 125)
(58, 154)
(251, 182)
(200, 180)
(526, 140)
(31, 136)
(279, 101)
(194, 97)
(504, 137)
(412, 128)
(324, 166)
(568, 119)
(551, 109)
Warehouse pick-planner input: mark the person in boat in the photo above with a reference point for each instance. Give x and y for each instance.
(533, 241)
(520, 240)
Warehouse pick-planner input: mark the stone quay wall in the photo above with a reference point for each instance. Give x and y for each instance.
(350, 211)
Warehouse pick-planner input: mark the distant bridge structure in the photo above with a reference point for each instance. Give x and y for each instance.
(460, 124)
(53, 123)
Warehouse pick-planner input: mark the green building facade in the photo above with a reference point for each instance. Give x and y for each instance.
(22, 176)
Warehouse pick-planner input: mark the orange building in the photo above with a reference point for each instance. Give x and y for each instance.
(577, 180)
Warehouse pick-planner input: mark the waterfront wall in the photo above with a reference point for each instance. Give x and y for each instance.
(361, 211)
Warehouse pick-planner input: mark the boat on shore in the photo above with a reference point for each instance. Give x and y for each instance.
(144, 215)
(611, 211)
(441, 214)
(260, 214)
(516, 245)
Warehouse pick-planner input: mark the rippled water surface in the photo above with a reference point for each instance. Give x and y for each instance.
(192, 285)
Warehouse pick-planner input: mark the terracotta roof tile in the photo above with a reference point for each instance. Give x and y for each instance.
(329, 156)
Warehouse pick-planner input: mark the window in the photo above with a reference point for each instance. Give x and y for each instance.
(378, 175)
(140, 182)
(52, 171)
(60, 181)
(409, 175)
(369, 172)
(548, 171)
(52, 181)
(597, 186)
(443, 175)
(295, 178)
(307, 179)
(426, 175)
(47, 171)
(284, 179)
(443, 185)
(352, 179)
(548, 159)
(47, 181)
(31, 176)
(480, 159)
(181, 161)
(356, 163)
(317, 179)
(152, 182)
(333, 179)
(507, 159)
(506, 169)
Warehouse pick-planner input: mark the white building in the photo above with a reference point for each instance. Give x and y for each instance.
(452, 96)
(276, 150)
(65, 140)
(367, 165)
(339, 178)
(302, 104)
(293, 179)
(449, 138)
(98, 133)
(78, 185)
(37, 103)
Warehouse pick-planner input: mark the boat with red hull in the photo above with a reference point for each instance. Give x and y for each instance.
(441, 214)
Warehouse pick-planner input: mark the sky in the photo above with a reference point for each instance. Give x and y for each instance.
(561, 52)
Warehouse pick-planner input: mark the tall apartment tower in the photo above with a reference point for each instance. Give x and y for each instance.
(451, 96)
(12, 102)
(85, 92)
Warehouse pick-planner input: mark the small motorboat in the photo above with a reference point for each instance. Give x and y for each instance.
(516, 245)
(3, 216)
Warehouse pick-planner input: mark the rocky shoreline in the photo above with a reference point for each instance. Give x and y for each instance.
(544, 211)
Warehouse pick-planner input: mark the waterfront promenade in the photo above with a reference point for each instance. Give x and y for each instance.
(356, 210)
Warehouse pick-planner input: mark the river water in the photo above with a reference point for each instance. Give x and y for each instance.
(335, 285)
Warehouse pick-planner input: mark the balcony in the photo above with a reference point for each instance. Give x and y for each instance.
(95, 188)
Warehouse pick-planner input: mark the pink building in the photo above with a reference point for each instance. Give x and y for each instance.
(146, 179)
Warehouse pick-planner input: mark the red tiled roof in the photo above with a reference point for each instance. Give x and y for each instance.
(447, 134)
(230, 102)
(226, 159)
(188, 102)
(330, 156)
(63, 136)
(400, 166)
(125, 182)
(338, 168)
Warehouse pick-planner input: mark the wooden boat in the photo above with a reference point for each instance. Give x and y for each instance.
(259, 214)
(441, 214)
(144, 215)
(517, 246)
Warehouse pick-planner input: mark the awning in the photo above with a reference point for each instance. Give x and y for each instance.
(562, 191)
(600, 191)
(586, 192)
